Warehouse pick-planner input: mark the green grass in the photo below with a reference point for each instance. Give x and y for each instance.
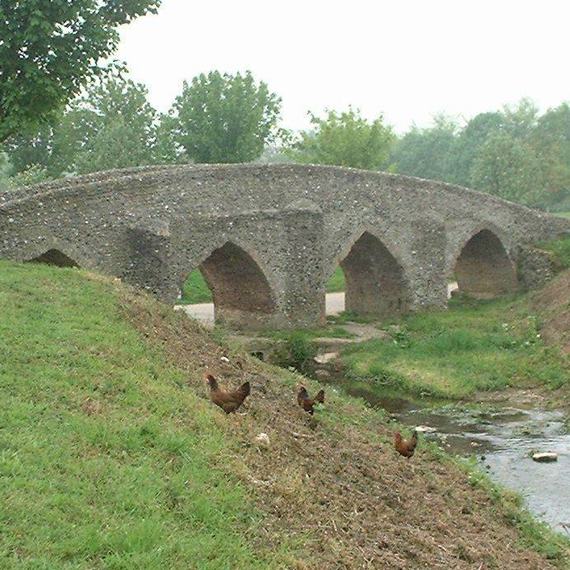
(195, 290)
(336, 283)
(563, 214)
(560, 249)
(139, 483)
(472, 346)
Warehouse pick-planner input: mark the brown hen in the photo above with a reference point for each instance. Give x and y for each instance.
(228, 401)
(307, 403)
(405, 447)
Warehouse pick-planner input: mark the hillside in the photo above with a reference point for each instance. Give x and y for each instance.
(113, 457)
(553, 305)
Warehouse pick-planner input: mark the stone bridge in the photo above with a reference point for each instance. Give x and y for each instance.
(267, 238)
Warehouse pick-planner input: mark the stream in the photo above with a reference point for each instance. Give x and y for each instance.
(502, 439)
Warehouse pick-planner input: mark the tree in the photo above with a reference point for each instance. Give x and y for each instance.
(166, 149)
(428, 153)
(470, 141)
(111, 126)
(508, 168)
(4, 172)
(521, 120)
(49, 50)
(116, 125)
(551, 142)
(345, 139)
(225, 118)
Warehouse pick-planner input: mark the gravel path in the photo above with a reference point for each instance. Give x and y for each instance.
(204, 312)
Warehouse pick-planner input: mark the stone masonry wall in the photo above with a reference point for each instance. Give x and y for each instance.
(278, 229)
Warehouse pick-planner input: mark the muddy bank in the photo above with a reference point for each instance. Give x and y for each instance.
(502, 435)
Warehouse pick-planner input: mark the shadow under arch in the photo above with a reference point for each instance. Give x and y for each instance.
(54, 257)
(241, 293)
(375, 281)
(483, 268)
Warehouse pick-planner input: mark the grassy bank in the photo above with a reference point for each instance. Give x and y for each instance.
(113, 457)
(195, 290)
(336, 283)
(107, 461)
(472, 346)
(560, 250)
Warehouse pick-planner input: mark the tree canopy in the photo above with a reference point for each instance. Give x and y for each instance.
(428, 153)
(345, 139)
(225, 118)
(111, 126)
(514, 153)
(49, 50)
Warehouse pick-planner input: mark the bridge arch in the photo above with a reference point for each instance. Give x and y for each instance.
(376, 283)
(241, 292)
(483, 267)
(55, 257)
(57, 252)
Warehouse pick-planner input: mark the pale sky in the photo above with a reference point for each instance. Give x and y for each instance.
(407, 59)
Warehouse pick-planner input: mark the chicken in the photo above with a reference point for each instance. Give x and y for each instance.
(228, 401)
(405, 447)
(306, 403)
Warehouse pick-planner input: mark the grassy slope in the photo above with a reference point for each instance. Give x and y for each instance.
(195, 290)
(552, 304)
(111, 459)
(336, 283)
(560, 250)
(472, 346)
(107, 461)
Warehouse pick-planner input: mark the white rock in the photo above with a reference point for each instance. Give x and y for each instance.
(425, 429)
(224, 359)
(545, 457)
(262, 439)
(326, 357)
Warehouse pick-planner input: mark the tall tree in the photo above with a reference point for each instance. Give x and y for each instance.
(551, 142)
(509, 168)
(428, 153)
(118, 127)
(49, 50)
(111, 126)
(345, 139)
(470, 140)
(225, 118)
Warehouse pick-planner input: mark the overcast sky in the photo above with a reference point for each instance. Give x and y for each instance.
(407, 59)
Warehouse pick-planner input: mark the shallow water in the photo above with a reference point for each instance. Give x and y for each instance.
(502, 439)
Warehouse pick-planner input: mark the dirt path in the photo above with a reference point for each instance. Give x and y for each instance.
(204, 312)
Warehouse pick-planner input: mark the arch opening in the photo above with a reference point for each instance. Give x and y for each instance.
(240, 292)
(375, 283)
(483, 269)
(56, 258)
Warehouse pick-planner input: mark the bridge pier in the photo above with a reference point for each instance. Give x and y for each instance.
(149, 253)
(303, 302)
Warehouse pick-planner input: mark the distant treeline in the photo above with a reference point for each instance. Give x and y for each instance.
(516, 152)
